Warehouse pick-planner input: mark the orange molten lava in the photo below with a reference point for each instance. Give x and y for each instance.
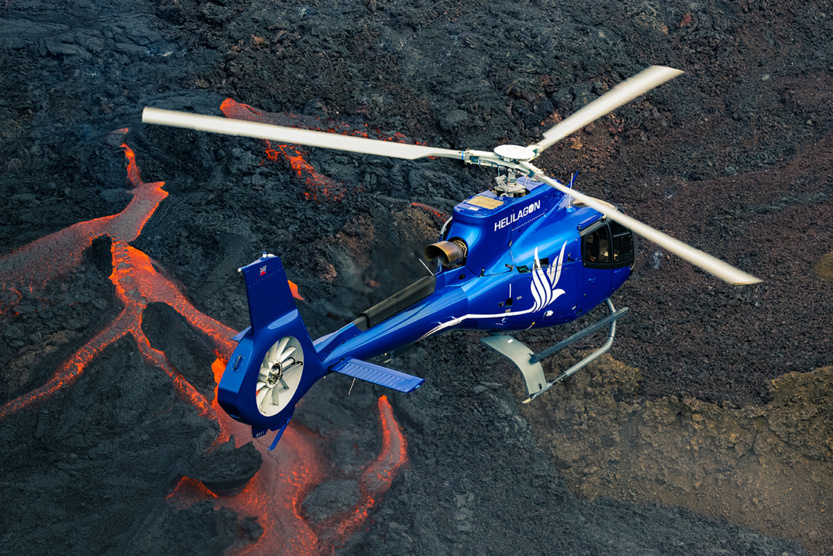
(436, 213)
(55, 255)
(320, 188)
(288, 474)
(136, 282)
(275, 494)
(294, 289)
(378, 476)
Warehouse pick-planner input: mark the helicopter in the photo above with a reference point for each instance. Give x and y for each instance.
(528, 253)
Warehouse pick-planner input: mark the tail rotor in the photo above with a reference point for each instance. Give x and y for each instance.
(280, 375)
(275, 362)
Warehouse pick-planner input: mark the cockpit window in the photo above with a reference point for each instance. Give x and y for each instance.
(622, 243)
(606, 245)
(596, 247)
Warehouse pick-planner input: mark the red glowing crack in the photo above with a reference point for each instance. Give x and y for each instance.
(320, 188)
(275, 494)
(436, 213)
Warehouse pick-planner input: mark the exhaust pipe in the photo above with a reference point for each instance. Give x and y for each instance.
(452, 254)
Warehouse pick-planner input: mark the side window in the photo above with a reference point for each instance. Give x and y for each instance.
(622, 243)
(607, 245)
(595, 245)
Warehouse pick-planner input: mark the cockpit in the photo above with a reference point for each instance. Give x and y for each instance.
(607, 244)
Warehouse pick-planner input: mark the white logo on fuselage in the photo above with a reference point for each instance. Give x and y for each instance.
(514, 217)
(544, 289)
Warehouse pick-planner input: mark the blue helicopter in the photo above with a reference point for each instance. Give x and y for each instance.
(527, 253)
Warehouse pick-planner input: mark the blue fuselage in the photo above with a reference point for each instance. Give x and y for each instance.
(523, 269)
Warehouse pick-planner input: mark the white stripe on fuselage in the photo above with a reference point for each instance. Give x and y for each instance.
(542, 295)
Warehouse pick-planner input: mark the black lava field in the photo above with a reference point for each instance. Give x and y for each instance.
(706, 430)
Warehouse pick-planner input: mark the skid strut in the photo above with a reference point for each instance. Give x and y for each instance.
(530, 363)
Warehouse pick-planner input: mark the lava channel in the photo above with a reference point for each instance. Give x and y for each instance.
(275, 494)
(320, 188)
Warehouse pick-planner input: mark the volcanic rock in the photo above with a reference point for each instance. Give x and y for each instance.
(110, 462)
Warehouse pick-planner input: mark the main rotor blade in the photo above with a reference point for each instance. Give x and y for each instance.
(228, 126)
(623, 92)
(698, 258)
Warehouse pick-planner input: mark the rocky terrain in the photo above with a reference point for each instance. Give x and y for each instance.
(706, 431)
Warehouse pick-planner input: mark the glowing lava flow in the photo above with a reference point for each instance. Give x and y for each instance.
(291, 472)
(320, 188)
(53, 256)
(136, 281)
(378, 476)
(275, 494)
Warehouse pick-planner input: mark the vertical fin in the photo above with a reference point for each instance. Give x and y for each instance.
(267, 290)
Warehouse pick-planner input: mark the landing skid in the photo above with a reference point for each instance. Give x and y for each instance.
(530, 363)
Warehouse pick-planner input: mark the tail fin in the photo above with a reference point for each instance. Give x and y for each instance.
(275, 362)
(267, 290)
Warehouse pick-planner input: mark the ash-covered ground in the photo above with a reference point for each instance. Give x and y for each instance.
(714, 397)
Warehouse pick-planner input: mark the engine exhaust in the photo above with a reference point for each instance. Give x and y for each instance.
(452, 254)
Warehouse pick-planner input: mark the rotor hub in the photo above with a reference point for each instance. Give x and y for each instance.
(509, 187)
(277, 371)
(514, 153)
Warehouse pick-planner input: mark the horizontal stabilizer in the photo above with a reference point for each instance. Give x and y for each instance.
(378, 375)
